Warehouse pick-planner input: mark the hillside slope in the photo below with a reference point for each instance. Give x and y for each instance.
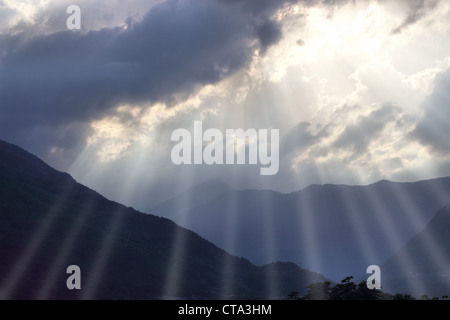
(49, 221)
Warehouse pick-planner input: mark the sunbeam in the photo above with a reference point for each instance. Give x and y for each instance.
(65, 249)
(231, 225)
(391, 234)
(20, 267)
(358, 227)
(434, 249)
(103, 255)
(174, 273)
(270, 247)
(307, 230)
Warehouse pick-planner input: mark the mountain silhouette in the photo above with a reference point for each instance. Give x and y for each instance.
(336, 230)
(50, 222)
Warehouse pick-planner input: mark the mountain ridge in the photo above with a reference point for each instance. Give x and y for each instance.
(337, 230)
(49, 221)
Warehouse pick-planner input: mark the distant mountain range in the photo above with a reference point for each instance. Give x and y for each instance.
(49, 221)
(336, 230)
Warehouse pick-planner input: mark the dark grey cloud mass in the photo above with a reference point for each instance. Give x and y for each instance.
(50, 82)
(268, 33)
(433, 130)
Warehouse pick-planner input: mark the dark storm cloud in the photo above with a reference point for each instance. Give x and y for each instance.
(433, 129)
(67, 77)
(358, 136)
(268, 33)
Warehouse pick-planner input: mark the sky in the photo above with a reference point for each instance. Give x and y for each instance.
(357, 89)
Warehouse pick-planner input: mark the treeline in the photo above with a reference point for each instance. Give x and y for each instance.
(348, 290)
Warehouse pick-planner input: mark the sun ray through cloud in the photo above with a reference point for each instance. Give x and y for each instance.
(64, 251)
(35, 243)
